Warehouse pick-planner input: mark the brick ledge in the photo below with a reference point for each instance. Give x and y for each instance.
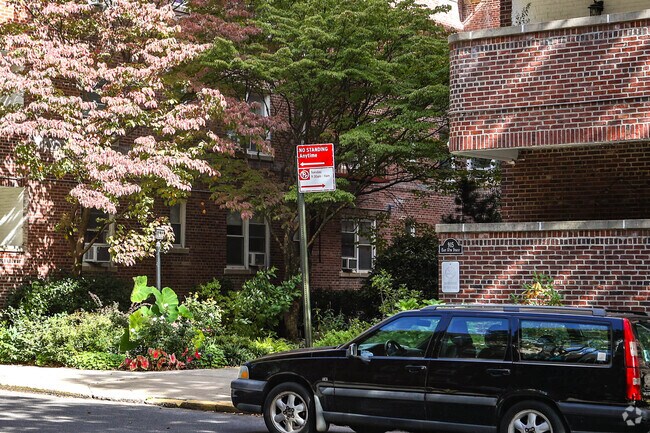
(545, 226)
(550, 25)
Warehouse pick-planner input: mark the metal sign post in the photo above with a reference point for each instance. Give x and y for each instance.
(315, 165)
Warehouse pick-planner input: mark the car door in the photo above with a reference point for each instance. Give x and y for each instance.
(472, 370)
(387, 379)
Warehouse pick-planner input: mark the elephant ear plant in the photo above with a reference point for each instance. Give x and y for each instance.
(162, 324)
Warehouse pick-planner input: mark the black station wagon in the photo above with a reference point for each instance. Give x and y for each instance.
(464, 368)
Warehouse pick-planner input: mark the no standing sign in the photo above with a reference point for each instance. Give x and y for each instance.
(316, 167)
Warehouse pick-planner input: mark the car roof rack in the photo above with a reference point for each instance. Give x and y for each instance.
(516, 308)
(634, 312)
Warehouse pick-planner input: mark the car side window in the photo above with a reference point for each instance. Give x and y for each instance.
(565, 342)
(406, 336)
(482, 338)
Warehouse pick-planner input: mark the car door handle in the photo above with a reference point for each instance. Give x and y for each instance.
(416, 368)
(498, 372)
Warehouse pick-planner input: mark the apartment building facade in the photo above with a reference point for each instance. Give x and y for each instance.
(210, 242)
(558, 92)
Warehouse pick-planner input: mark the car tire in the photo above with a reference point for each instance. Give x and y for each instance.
(289, 408)
(367, 429)
(523, 416)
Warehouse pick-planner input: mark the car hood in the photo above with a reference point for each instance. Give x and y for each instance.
(299, 353)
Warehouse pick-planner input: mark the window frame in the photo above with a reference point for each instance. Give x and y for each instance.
(265, 100)
(110, 231)
(373, 249)
(17, 241)
(182, 216)
(246, 239)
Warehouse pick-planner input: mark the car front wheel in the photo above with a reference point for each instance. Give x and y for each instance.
(531, 417)
(289, 408)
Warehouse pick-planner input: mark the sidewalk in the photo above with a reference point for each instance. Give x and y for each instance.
(191, 389)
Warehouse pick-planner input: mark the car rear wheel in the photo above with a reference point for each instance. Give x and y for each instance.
(531, 417)
(289, 408)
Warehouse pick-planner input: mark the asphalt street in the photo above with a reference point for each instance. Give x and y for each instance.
(22, 412)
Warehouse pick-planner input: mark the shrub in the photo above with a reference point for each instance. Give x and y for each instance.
(96, 361)
(56, 340)
(256, 309)
(67, 295)
(539, 292)
(212, 356)
(412, 261)
(237, 349)
(363, 303)
(206, 314)
(163, 325)
(336, 337)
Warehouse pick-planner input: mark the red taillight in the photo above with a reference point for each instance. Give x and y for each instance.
(633, 373)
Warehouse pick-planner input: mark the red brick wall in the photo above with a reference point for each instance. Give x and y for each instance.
(480, 14)
(586, 183)
(567, 86)
(607, 268)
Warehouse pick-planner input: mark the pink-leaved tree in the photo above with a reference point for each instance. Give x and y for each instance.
(106, 107)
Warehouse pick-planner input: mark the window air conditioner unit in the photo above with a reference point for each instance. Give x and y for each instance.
(349, 264)
(98, 253)
(257, 259)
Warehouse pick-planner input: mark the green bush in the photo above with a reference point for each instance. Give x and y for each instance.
(362, 303)
(212, 356)
(206, 314)
(96, 361)
(67, 295)
(412, 261)
(256, 309)
(237, 349)
(336, 337)
(57, 339)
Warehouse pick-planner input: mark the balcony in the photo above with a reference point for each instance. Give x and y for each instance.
(570, 82)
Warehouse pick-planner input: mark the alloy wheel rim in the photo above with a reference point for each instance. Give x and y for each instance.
(530, 421)
(288, 412)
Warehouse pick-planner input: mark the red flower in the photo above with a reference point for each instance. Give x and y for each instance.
(197, 355)
(172, 359)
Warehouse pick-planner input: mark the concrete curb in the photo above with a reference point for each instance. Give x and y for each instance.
(32, 390)
(204, 405)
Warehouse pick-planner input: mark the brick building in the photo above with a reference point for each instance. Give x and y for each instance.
(210, 242)
(559, 95)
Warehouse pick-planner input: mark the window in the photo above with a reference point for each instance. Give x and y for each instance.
(357, 249)
(475, 338)
(565, 342)
(98, 232)
(247, 243)
(481, 164)
(263, 109)
(12, 217)
(177, 221)
(407, 336)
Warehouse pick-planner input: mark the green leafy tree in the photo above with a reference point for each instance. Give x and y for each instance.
(370, 76)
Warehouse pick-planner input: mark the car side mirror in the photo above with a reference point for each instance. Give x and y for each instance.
(352, 351)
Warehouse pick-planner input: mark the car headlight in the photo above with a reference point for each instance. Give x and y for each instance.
(243, 372)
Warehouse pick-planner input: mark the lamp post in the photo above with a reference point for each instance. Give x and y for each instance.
(159, 235)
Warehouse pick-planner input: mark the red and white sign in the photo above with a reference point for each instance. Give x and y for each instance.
(316, 167)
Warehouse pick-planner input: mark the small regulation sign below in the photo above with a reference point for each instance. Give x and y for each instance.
(450, 246)
(316, 167)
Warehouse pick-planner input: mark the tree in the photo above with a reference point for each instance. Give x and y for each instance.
(371, 76)
(367, 75)
(477, 201)
(103, 110)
